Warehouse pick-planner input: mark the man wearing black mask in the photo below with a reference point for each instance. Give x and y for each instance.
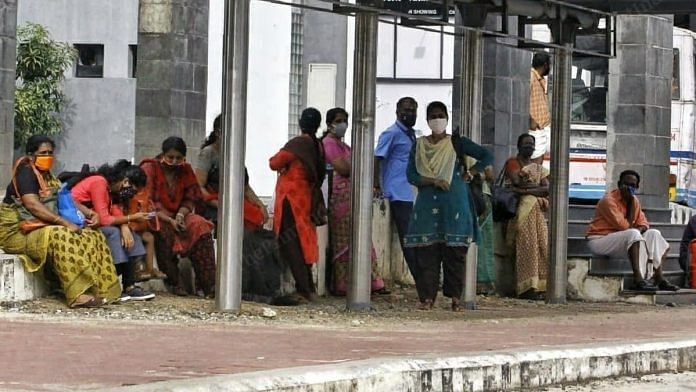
(539, 114)
(392, 153)
(620, 228)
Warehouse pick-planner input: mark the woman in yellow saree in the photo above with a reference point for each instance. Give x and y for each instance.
(527, 232)
(31, 228)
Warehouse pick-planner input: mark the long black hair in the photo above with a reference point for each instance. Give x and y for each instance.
(215, 135)
(116, 172)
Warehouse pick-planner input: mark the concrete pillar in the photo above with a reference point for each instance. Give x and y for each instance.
(639, 105)
(8, 58)
(505, 115)
(172, 74)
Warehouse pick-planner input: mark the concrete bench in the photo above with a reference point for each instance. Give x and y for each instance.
(16, 284)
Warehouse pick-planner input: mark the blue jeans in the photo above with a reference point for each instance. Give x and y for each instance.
(119, 252)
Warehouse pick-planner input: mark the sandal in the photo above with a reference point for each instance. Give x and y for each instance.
(426, 304)
(88, 301)
(180, 291)
(157, 274)
(456, 307)
(665, 285)
(382, 291)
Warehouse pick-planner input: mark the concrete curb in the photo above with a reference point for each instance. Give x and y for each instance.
(491, 371)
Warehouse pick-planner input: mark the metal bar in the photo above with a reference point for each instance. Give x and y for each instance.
(364, 107)
(487, 33)
(474, 87)
(230, 212)
(460, 121)
(560, 145)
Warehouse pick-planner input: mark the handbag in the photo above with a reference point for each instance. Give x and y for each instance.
(504, 201)
(28, 222)
(67, 208)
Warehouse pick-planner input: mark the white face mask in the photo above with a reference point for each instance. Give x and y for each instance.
(438, 125)
(340, 129)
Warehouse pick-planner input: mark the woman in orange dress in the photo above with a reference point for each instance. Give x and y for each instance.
(298, 201)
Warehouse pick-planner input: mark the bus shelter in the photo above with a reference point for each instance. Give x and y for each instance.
(569, 22)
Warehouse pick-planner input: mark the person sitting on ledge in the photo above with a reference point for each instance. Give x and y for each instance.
(619, 228)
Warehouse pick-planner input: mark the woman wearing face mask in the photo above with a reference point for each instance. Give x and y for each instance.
(80, 258)
(102, 192)
(338, 154)
(443, 223)
(527, 232)
(175, 192)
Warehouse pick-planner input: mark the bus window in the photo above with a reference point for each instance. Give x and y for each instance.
(676, 94)
(589, 87)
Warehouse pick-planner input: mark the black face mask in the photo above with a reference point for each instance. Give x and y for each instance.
(408, 119)
(526, 151)
(126, 194)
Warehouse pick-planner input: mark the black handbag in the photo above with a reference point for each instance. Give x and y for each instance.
(505, 200)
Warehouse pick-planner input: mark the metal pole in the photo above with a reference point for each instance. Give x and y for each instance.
(230, 212)
(363, 136)
(560, 144)
(460, 96)
(473, 90)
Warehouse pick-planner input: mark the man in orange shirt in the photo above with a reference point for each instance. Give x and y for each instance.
(619, 228)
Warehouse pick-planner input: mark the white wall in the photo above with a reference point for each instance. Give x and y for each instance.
(268, 85)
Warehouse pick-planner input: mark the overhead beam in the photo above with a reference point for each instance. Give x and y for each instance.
(638, 6)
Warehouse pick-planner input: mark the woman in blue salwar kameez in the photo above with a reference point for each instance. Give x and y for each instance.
(443, 223)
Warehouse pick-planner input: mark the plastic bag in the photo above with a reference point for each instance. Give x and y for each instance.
(67, 208)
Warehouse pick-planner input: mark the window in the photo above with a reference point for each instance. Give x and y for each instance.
(676, 93)
(132, 60)
(589, 89)
(90, 61)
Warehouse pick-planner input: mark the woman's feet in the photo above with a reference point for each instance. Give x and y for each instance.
(88, 301)
(426, 304)
(532, 295)
(456, 307)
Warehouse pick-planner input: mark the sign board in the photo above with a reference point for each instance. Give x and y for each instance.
(422, 8)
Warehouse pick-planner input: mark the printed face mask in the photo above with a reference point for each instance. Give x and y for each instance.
(167, 163)
(44, 162)
(126, 193)
(438, 125)
(340, 129)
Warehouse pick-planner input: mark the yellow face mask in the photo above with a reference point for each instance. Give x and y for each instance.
(43, 162)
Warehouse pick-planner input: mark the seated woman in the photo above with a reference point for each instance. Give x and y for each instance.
(141, 202)
(208, 175)
(80, 258)
(443, 222)
(338, 154)
(101, 192)
(527, 232)
(175, 192)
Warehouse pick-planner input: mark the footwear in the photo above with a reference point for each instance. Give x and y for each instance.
(644, 285)
(88, 301)
(140, 269)
(138, 294)
(456, 307)
(123, 298)
(665, 285)
(426, 304)
(157, 274)
(532, 295)
(180, 291)
(382, 291)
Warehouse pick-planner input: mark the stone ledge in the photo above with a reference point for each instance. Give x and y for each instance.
(16, 284)
(492, 371)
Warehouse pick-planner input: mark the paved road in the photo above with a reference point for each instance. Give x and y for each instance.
(47, 355)
(681, 382)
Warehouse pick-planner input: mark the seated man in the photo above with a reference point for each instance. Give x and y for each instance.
(685, 249)
(619, 228)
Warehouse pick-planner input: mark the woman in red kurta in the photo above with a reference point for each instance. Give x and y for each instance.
(298, 199)
(175, 192)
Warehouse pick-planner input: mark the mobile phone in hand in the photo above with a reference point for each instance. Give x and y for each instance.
(151, 215)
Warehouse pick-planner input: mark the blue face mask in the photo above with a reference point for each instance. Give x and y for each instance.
(633, 190)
